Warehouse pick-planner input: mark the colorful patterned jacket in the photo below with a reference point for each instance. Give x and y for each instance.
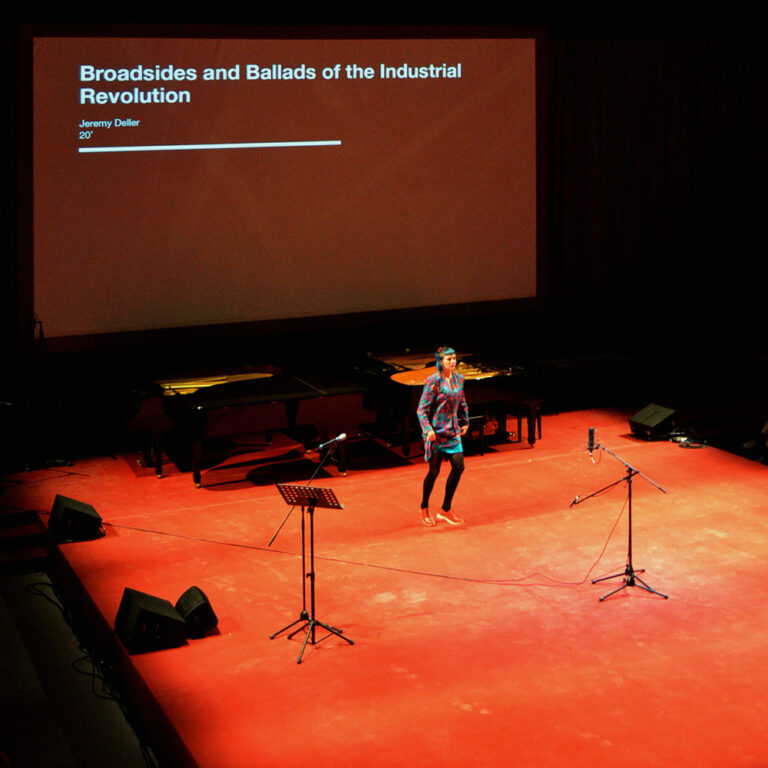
(443, 408)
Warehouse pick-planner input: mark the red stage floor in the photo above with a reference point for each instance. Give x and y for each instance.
(483, 645)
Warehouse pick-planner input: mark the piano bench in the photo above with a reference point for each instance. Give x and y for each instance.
(477, 424)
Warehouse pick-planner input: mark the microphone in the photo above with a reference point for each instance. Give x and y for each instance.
(591, 443)
(338, 439)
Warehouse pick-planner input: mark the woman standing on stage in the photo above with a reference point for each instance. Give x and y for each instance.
(444, 418)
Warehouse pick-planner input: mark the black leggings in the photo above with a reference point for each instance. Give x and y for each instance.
(457, 467)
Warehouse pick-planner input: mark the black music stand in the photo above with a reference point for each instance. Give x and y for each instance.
(309, 498)
(629, 574)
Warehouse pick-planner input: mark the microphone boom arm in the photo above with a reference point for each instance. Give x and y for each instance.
(629, 575)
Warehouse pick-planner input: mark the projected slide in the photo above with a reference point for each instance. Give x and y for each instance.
(182, 182)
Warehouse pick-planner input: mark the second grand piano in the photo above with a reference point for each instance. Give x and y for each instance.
(493, 387)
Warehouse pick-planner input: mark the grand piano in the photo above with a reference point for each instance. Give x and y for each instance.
(274, 398)
(494, 389)
(195, 409)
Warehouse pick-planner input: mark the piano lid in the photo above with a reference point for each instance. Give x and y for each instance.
(476, 370)
(187, 386)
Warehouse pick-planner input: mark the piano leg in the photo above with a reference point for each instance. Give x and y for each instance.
(197, 437)
(500, 414)
(534, 420)
(341, 458)
(197, 461)
(158, 453)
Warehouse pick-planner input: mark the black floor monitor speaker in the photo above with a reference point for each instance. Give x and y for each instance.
(148, 623)
(194, 607)
(652, 422)
(72, 520)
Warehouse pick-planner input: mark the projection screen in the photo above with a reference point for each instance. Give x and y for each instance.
(186, 182)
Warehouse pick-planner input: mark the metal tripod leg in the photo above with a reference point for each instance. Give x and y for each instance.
(309, 628)
(631, 579)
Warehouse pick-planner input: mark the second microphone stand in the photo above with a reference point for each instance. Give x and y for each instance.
(629, 574)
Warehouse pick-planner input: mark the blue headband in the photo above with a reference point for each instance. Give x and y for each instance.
(441, 353)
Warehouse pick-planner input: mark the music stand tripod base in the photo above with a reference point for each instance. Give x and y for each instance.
(309, 497)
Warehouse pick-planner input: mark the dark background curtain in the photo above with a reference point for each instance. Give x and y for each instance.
(656, 191)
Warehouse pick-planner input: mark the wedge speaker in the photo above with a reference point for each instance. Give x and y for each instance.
(653, 422)
(72, 520)
(195, 609)
(148, 623)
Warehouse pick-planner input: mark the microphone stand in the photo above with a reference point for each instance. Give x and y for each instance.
(629, 574)
(322, 463)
